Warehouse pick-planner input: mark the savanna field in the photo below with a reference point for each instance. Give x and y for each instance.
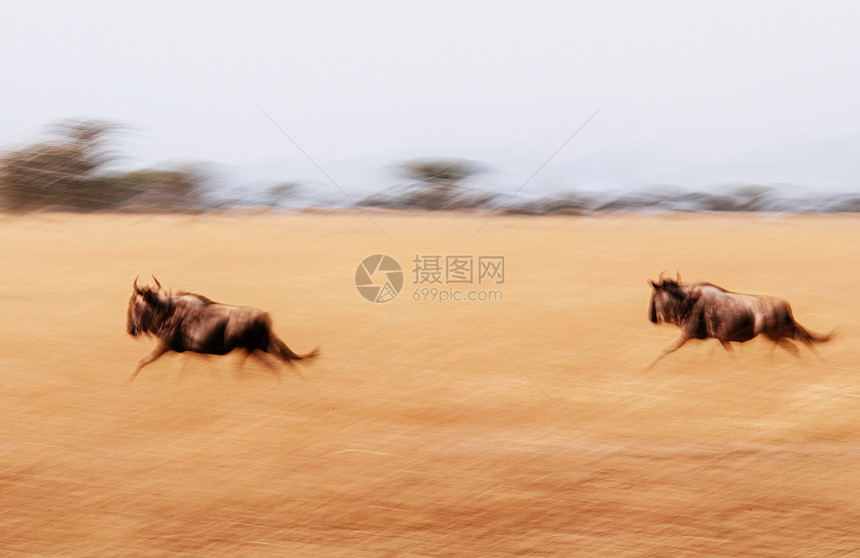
(525, 426)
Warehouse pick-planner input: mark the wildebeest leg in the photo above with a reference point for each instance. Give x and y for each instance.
(189, 358)
(797, 353)
(156, 352)
(812, 348)
(276, 364)
(789, 346)
(241, 362)
(185, 360)
(815, 351)
(773, 347)
(728, 347)
(270, 363)
(674, 347)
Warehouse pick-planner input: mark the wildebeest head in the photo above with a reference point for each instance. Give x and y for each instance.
(146, 308)
(669, 301)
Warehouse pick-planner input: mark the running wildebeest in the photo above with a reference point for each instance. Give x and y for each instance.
(191, 322)
(704, 310)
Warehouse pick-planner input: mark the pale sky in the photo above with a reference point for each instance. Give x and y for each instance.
(688, 93)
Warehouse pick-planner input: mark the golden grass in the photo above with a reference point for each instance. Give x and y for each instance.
(526, 426)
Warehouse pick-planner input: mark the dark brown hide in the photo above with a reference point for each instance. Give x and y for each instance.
(704, 310)
(191, 322)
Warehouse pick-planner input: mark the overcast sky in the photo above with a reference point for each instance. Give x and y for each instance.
(688, 93)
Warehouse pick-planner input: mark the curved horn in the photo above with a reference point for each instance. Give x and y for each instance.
(662, 276)
(157, 284)
(136, 288)
(678, 274)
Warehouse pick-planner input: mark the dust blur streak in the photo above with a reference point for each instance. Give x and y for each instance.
(324, 173)
(524, 373)
(535, 173)
(330, 378)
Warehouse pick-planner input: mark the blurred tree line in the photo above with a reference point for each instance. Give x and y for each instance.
(70, 172)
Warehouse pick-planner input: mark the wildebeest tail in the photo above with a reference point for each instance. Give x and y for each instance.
(809, 338)
(279, 348)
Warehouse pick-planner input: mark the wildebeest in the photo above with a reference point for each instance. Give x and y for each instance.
(185, 321)
(704, 310)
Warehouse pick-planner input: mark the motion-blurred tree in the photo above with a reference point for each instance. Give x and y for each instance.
(64, 173)
(437, 184)
(69, 173)
(439, 181)
(281, 193)
(156, 190)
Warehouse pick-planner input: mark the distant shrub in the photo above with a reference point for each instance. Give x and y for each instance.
(69, 173)
(63, 173)
(437, 185)
(157, 190)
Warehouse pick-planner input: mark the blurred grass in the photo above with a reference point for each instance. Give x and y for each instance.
(428, 440)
